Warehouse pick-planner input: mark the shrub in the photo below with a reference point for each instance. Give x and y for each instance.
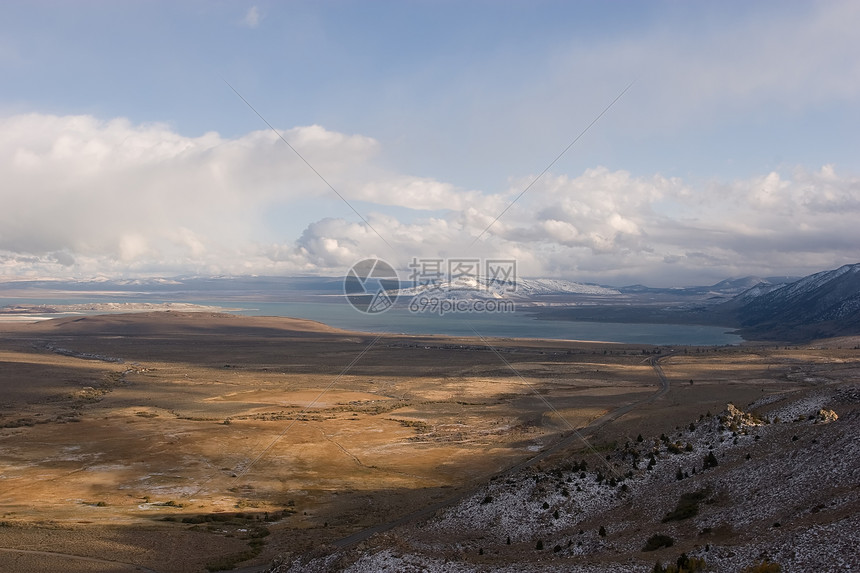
(658, 541)
(602, 531)
(687, 564)
(684, 564)
(687, 506)
(259, 532)
(539, 545)
(710, 461)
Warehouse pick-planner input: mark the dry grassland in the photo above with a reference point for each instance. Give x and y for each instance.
(220, 438)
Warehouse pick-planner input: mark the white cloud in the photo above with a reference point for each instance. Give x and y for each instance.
(87, 197)
(611, 226)
(140, 196)
(252, 17)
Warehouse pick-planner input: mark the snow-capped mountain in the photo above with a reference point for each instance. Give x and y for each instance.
(724, 289)
(483, 287)
(823, 304)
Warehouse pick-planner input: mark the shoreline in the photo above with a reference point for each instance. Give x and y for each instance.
(640, 334)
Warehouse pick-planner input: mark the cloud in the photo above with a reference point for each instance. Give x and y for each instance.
(138, 197)
(609, 226)
(87, 197)
(252, 17)
(770, 224)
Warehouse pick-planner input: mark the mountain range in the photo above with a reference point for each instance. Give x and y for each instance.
(785, 309)
(822, 305)
(788, 309)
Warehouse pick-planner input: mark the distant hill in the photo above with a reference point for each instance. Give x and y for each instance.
(785, 309)
(822, 305)
(482, 287)
(725, 288)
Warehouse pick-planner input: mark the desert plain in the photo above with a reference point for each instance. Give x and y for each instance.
(195, 441)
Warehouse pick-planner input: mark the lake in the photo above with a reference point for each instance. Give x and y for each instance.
(514, 325)
(400, 321)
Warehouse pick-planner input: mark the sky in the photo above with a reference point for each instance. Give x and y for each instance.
(144, 138)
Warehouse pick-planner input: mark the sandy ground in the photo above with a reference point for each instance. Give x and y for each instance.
(176, 441)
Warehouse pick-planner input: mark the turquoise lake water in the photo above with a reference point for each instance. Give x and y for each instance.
(514, 325)
(400, 320)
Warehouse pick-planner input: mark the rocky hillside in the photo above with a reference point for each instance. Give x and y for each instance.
(772, 483)
(822, 305)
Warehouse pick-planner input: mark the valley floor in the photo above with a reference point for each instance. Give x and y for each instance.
(179, 441)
